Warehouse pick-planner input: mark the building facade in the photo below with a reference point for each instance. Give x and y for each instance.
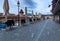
(56, 10)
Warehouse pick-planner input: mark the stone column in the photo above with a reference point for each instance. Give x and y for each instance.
(32, 16)
(36, 16)
(26, 16)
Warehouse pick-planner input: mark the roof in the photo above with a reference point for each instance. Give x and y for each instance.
(21, 11)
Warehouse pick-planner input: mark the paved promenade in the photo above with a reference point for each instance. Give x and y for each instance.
(44, 30)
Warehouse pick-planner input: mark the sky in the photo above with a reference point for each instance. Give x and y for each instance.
(39, 6)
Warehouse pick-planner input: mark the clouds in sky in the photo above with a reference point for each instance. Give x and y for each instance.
(42, 6)
(37, 5)
(30, 3)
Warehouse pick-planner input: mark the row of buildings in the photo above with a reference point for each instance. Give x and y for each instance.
(56, 10)
(21, 17)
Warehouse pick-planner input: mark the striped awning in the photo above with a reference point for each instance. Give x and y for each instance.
(6, 6)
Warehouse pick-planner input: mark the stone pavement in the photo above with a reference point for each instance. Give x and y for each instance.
(51, 32)
(45, 30)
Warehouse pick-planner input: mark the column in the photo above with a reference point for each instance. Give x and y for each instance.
(26, 16)
(32, 16)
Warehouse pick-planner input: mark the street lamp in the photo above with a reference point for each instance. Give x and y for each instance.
(18, 4)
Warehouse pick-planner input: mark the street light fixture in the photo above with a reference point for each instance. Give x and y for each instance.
(18, 4)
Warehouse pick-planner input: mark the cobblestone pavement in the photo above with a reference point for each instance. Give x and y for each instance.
(45, 30)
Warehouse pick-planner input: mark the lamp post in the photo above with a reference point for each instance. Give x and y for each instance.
(18, 4)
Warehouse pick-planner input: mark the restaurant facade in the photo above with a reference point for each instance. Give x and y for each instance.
(56, 10)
